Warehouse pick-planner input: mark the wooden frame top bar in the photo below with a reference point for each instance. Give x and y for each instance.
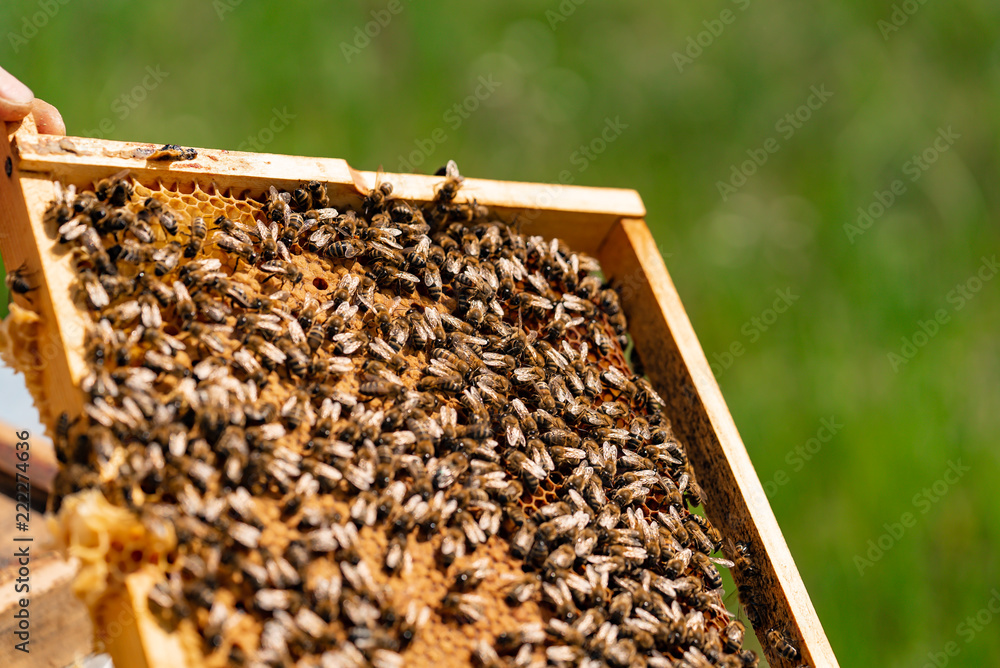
(538, 207)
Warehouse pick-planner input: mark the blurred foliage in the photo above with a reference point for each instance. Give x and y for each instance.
(564, 69)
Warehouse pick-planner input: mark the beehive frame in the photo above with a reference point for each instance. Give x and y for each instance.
(607, 223)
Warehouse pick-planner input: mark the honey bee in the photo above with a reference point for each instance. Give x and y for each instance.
(234, 229)
(17, 282)
(123, 219)
(395, 555)
(417, 255)
(432, 281)
(390, 276)
(740, 554)
(317, 191)
(276, 205)
(452, 546)
(510, 642)
(600, 339)
(166, 258)
(380, 388)
(159, 290)
(463, 608)
(153, 208)
(450, 384)
(470, 577)
(733, 636)
(384, 351)
(116, 189)
(173, 152)
(616, 379)
(240, 249)
(484, 656)
(271, 247)
(185, 306)
(376, 199)
(197, 239)
(301, 199)
(782, 645)
(283, 270)
(708, 570)
(447, 191)
(346, 248)
(128, 251)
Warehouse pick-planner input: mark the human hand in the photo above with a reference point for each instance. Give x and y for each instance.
(17, 101)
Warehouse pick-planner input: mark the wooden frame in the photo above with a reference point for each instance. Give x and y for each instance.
(607, 223)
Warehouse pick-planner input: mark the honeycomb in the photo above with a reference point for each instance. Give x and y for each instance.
(382, 435)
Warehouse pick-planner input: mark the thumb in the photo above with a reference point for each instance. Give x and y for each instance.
(15, 97)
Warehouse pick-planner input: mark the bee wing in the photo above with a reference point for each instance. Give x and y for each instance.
(119, 176)
(320, 237)
(273, 352)
(208, 264)
(246, 360)
(433, 316)
(273, 267)
(134, 336)
(346, 311)
(262, 231)
(381, 348)
(306, 226)
(366, 301)
(150, 315)
(97, 294)
(72, 228)
(295, 330)
(432, 278)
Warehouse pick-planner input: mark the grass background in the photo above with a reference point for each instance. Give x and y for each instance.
(564, 69)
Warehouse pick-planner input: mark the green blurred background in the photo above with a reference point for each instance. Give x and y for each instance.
(691, 90)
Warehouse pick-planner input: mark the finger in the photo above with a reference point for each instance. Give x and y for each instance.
(15, 97)
(47, 118)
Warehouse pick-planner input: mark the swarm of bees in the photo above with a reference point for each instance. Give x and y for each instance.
(323, 401)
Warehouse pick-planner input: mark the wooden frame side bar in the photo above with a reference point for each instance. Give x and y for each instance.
(675, 362)
(57, 364)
